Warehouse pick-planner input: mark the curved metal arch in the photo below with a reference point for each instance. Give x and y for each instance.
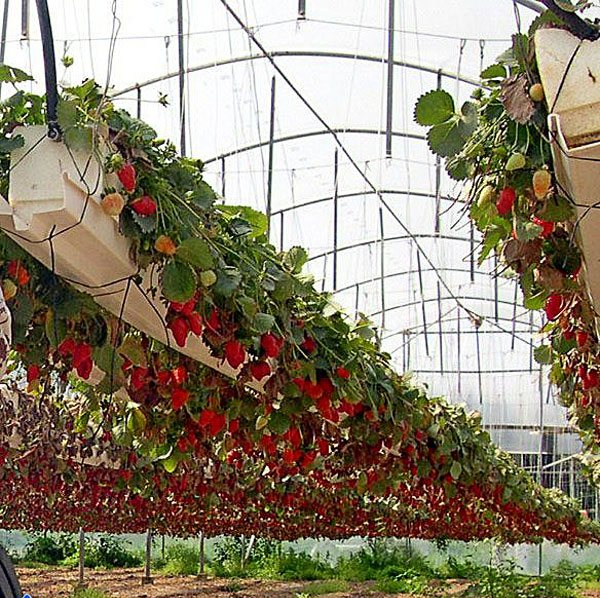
(293, 137)
(387, 276)
(330, 197)
(387, 239)
(297, 54)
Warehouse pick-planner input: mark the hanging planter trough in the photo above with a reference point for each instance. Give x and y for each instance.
(53, 211)
(570, 74)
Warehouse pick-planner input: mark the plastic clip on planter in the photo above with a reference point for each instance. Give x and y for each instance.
(570, 73)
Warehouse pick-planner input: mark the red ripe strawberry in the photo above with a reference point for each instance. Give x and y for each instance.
(593, 379)
(582, 372)
(67, 347)
(271, 344)
(234, 426)
(300, 383)
(314, 391)
(144, 206)
(327, 387)
(506, 201)
(213, 322)
(33, 372)
(189, 306)
(84, 369)
(582, 338)
(18, 272)
(179, 397)
(323, 446)
(235, 354)
(309, 344)
(163, 377)
(343, 373)
(259, 370)
(217, 424)
(126, 175)
(547, 227)
(139, 377)
(554, 305)
(195, 322)
(206, 416)
(294, 437)
(569, 334)
(81, 353)
(180, 328)
(179, 375)
(183, 445)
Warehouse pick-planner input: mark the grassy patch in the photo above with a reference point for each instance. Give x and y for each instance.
(89, 593)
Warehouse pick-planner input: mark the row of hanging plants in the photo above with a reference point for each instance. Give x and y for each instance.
(331, 408)
(45, 485)
(498, 144)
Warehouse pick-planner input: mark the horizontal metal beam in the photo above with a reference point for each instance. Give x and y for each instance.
(532, 5)
(298, 54)
(296, 136)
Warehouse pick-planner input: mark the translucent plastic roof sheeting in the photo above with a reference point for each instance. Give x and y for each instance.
(336, 59)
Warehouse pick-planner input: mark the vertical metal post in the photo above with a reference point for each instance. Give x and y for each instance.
(162, 547)
(382, 267)
(479, 381)
(440, 334)
(472, 249)
(302, 9)
(181, 51)
(531, 343)
(458, 350)
(390, 80)
(4, 28)
(24, 19)
(281, 230)
(335, 216)
(356, 300)
(496, 303)
(438, 174)
(222, 176)
(81, 557)
(201, 555)
(423, 310)
(147, 579)
(271, 144)
(514, 317)
(138, 101)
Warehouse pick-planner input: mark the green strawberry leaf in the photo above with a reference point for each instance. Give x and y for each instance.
(196, 251)
(434, 108)
(178, 282)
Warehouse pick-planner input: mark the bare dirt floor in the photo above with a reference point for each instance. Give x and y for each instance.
(127, 583)
(121, 583)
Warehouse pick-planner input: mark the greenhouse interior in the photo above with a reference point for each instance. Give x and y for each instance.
(297, 298)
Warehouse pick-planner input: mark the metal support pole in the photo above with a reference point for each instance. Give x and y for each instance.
(514, 317)
(472, 250)
(440, 327)
(24, 19)
(390, 80)
(382, 267)
(201, 562)
(302, 9)
(335, 216)
(479, 381)
(4, 28)
(438, 173)
(138, 102)
(81, 576)
(147, 579)
(356, 300)
(423, 310)
(458, 351)
(281, 229)
(223, 176)
(496, 305)
(162, 547)
(271, 144)
(49, 69)
(181, 50)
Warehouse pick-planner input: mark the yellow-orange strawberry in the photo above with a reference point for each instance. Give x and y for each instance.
(112, 204)
(541, 181)
(165, 245)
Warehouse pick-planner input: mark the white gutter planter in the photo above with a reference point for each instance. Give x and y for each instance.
(570, 74)
(49, 199)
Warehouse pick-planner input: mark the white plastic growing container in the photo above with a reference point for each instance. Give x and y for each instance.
(55, 194)
(570, 73)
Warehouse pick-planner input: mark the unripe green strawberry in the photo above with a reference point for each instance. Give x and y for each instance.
(516, 162)
(485, 196)
(536, 92)
(9, 289)
(208, 278)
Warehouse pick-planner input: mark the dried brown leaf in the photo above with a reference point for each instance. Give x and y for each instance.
(516, 100)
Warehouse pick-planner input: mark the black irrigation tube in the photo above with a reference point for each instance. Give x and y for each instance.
(54, 132)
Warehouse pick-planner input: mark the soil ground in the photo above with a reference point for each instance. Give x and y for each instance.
(126, 583)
